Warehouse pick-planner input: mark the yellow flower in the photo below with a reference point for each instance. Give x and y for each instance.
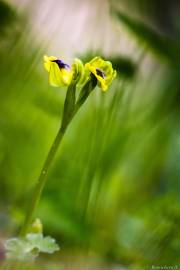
(102, 70)
(60, 73)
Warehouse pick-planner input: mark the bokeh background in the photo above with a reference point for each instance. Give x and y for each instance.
(112, 200)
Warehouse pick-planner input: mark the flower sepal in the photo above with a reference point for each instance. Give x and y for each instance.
(80, 73)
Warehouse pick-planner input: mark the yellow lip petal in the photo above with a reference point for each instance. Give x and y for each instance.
(66, 76)
(102, 83)
(47, 61)
(55, 78)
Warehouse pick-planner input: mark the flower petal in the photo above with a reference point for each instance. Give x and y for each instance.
(55, 78)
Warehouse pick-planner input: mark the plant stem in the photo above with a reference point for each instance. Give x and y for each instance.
(42, 180)
(70, 109)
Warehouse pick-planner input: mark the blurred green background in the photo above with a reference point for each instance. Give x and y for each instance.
(112, 196)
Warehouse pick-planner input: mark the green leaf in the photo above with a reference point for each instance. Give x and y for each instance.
(163, 45)
(19, 249)
(28, 248)
(43, 244)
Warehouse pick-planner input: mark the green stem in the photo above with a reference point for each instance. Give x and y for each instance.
(41, 181)
(70, 109)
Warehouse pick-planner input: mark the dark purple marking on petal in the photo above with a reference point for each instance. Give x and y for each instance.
(61, 64)
(100, 73)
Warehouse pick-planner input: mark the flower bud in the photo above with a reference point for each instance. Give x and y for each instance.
(37, 226)
(80, 74)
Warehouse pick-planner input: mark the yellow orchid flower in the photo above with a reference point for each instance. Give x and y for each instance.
(102, 70)
(60, 73)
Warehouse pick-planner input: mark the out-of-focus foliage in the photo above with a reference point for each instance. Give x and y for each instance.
(163, 45)
(7, 16)
(161, 14)
(113, 190)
